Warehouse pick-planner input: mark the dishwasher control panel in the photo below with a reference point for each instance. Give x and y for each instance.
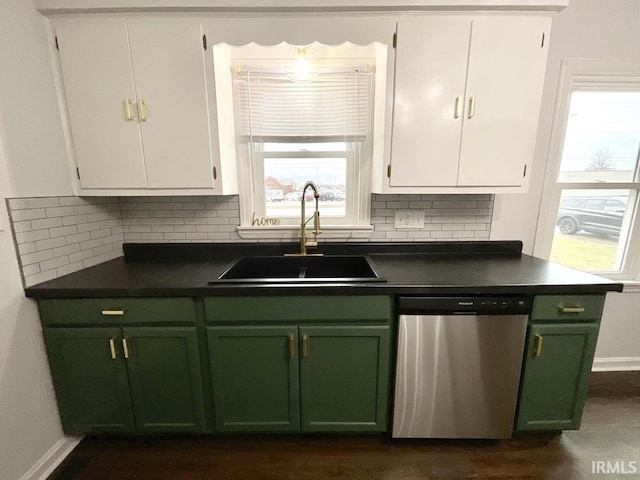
(495, 305)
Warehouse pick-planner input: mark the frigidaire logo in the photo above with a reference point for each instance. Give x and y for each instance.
(618, 467)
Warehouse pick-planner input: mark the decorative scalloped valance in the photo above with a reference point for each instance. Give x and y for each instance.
(293, 6)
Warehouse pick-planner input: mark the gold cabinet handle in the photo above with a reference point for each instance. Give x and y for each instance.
(457, 109)
(305, 346)
(292, 346)
(112, 346)
(112, 313)
(127, 109)
(141, 115)
(562, 309)
(472, 106)
(538, 345)
(125, 347)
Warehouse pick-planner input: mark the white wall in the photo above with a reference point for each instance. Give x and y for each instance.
(585, 29)
(29, 423)
(619, 333)
(34, 141)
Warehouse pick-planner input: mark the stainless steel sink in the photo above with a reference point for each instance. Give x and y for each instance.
(302, 269)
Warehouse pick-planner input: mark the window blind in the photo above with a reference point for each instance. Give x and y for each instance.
(335, 106)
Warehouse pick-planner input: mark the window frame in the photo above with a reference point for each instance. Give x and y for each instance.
(352, 198)
(366, 176)
(587, 75)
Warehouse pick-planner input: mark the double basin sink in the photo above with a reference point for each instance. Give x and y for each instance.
(301, 269)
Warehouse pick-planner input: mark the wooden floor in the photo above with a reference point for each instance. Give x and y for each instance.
(610, 432)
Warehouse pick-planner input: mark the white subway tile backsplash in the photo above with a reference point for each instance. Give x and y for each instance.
(31, 269)
(82, 255)
(54, 263)
(59, 235)
(24, 226)
(31, 236)
(17, 203)
(49, 243)
(447, 217)
(36, 257)
(61, 211)
(46, 223)
(63, 231)
(78, 237)
(25, 248)
(29, 214)
(39, 202)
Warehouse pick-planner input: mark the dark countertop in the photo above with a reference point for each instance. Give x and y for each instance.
(465, 268)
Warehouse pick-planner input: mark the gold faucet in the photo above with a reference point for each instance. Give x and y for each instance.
(304, 243)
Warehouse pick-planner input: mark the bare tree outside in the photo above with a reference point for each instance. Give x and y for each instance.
(601, 160)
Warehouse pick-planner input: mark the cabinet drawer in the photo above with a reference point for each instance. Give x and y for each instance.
(567, 307)
(117, 311)
(298, 309)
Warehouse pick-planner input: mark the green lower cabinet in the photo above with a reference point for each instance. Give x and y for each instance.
(127, 379)
(255, 378)
(91, 386)
(165, 379)
(289, 378)
(556, 376)
(344, 378)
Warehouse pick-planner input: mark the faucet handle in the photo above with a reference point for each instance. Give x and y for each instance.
(311, 243)
(316, 223)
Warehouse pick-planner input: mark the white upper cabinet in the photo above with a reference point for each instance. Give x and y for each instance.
(467, 102)
(431, 68)
(169, 71)
(98, 81)
(138, 105)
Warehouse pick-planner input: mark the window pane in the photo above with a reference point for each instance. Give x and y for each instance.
(602, 138)
(592, 227)
(285, 178)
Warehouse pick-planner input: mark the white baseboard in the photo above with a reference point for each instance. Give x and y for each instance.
(51, 459)
(616, 364)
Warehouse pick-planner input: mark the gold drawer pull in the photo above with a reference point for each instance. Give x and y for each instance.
(112, 346)
(112, 313)
(125, 347)
(562, 309)
(305, 346)
(292, 347)
(538, 345)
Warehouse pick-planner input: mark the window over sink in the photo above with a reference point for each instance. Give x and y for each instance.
(298, 114)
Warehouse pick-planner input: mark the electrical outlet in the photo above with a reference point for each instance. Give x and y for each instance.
(409, 219)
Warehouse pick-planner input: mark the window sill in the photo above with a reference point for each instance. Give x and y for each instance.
(631, 286)
(288, 232)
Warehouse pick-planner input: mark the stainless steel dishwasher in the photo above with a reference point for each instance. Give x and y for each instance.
(458, 368)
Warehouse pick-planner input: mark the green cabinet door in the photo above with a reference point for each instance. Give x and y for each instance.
(556, 376)
(91, 385)
(165, 378)
(255, 378)
(344, 378)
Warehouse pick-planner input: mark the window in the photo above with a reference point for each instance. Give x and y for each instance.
(290, 131)
(593, 181)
